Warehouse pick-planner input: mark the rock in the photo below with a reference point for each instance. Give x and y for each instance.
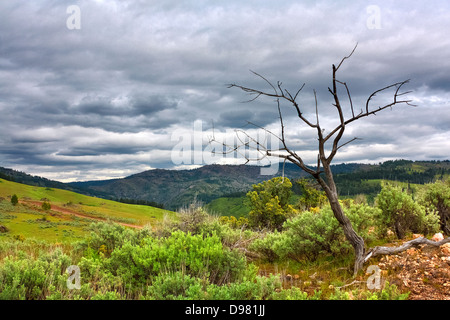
(445, 248)
(438, 237)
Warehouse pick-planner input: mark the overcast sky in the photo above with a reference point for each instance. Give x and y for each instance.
(113, 88)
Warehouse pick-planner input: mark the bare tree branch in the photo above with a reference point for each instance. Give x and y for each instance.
(345, 58)
(380, 250)
(349, 96)
(369, 112)
(324, 161)
(350, 141)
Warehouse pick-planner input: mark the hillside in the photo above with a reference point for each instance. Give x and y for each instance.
(177, 188)
(69, 215)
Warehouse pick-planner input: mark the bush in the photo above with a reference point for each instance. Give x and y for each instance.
(14, 200)
(46, 205)
(192, 218)
(311, 196)
(176, 286)
(105, 237)
(179, 286)
(233, 222)
(28, 279)
(198, 256)
(310, 234)
(269, 202)
(436, 196)
(400, 212)
(108, 295)
(389, 292)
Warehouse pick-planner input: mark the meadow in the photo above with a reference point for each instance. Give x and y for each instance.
(70, 212)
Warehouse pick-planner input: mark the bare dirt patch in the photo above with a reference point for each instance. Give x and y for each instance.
(425, 272)
(65, 211)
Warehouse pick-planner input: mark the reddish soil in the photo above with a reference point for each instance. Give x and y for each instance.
(66, 211)
(425, 272)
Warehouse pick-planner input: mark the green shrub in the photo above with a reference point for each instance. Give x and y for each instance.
(109, 295)
(389, 292)
(269, 202)
(364, 219)
(198, 256)
(176, 286)
(436, 196)
(29, 279)
(311, 196)
(272, 246)
(233, 222)
(14, 200)
(180, 286)
(401, 213)
(106, 237)
(46, 205)
(310, 234)
(190, 219)
(256, 288)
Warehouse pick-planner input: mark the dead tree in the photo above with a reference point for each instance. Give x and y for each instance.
(322, 172)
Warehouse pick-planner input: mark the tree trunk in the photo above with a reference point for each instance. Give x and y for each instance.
(444, 217)
(355, 240)
(399, 230)
(350, 234)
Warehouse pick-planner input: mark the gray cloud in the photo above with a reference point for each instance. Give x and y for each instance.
(77, 104)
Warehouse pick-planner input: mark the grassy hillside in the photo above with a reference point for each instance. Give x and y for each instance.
(69, 215)
(229, 206)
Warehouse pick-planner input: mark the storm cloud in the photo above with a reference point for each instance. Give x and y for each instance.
(104, 100)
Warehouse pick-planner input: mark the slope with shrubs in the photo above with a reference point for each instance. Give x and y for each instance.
(59, 215)
(200, 256)
(120, 263)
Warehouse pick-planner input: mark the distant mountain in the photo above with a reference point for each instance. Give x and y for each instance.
(176, 188)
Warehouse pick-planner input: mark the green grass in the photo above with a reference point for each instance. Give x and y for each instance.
(59, 227)
(54, 230)
(229, 207)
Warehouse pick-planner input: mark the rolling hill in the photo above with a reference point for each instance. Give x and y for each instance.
(69, 215)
